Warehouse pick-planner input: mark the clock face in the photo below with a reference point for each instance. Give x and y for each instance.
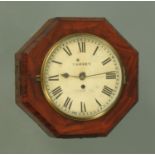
(81, 76)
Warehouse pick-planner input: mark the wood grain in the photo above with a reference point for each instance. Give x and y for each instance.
(29, 94)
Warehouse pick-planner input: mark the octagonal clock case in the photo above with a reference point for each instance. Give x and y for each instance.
(77, 77)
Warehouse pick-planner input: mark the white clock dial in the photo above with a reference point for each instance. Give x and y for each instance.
(82, 76)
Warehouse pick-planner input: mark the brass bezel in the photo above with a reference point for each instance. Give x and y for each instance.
(50, 102)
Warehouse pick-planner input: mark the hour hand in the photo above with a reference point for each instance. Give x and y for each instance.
(65, 75)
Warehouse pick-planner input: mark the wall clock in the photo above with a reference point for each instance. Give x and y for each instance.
(77, 77)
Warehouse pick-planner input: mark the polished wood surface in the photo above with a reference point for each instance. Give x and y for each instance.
(29, 94)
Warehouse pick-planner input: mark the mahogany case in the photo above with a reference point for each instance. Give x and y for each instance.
(29, 94)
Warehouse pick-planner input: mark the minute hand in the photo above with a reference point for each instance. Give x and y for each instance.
(99, 74)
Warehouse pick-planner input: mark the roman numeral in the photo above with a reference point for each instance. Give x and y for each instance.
(106, 90)
(82, 47)
(111, 75)
(67, 50)
(57, 62)
(106, 61)
(53, 78)
(68, 103)
(83, 107)
(57, 92)
(95, 50)
(98, 102)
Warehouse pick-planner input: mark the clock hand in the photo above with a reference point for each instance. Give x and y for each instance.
(83, 75)
(95, 74)
(66, 75)
(98, 74)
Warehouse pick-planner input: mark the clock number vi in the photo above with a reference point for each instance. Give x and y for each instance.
(83, 107)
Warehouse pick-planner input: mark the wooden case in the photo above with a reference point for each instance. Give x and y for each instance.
(29, 94)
